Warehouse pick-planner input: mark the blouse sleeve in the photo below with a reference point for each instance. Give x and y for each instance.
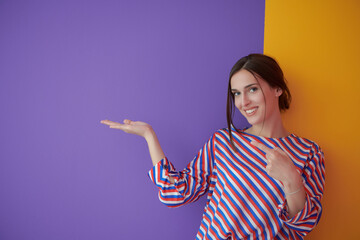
(314, 179)
(190, 183)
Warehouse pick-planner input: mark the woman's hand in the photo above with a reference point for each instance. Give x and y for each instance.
(280, 166)
(139, 128)
(144, 130)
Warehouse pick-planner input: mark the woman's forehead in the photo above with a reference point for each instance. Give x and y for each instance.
(243, 78)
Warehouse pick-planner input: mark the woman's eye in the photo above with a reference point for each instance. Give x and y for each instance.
(254, 89)
(236, 93)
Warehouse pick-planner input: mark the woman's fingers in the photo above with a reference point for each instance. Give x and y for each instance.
(108, 122)
(268, 168)
(271, 153)
(112, 124)
(262, 147)
(279, 164)
(268, 151)
(127, 121)
(117, 126)
(129, 126)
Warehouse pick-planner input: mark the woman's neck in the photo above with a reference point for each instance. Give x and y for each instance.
(270, 129)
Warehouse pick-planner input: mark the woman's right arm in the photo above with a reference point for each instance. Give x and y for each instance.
(176, 188)
(144, 130)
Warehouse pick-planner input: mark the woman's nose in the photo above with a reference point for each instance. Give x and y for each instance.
(245, 100)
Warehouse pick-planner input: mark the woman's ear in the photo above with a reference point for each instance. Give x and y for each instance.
(278, 92)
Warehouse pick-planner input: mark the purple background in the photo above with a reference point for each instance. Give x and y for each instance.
(66, 65)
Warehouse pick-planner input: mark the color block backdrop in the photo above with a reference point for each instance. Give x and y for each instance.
(317, 43)
(66, 65)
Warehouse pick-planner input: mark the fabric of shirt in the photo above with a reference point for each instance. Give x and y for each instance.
(243, 201)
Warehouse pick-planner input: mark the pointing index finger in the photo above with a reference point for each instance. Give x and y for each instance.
(261, 146)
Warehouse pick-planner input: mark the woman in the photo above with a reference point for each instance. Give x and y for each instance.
(262, 181)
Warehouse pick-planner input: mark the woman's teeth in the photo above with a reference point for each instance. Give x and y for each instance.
(250, 111)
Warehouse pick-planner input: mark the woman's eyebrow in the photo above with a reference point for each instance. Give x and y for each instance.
(247, 86)
(250, 85)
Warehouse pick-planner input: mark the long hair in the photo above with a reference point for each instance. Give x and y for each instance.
(265, 67)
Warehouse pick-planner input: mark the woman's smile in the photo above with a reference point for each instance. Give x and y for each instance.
(251, 111)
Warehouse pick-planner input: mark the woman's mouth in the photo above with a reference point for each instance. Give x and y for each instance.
(251, 111)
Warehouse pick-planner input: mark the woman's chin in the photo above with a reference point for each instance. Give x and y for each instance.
(254, 121)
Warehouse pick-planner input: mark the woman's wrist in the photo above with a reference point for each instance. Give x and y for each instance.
(149, 134)
(293, 184)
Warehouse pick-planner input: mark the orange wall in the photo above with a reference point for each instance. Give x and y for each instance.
(317, 45)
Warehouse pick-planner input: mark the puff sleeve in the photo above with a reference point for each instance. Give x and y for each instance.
(190, 183)
(313, 175)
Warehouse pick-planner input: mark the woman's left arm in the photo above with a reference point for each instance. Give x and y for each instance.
(303, 191)
(294, 193)
(280, 167)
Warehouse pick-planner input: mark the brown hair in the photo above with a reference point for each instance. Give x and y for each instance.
(269, 70)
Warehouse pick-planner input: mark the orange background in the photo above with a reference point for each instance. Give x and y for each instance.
(317, 45)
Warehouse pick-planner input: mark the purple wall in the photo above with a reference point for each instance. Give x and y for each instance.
(66, 65)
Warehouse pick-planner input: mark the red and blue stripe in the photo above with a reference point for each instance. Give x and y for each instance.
(243, 201)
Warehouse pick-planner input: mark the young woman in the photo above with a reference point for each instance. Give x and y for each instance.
(262, 182)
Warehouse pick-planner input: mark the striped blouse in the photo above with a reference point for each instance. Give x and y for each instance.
(243, 201)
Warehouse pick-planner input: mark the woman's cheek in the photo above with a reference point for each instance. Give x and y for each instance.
(237, 103)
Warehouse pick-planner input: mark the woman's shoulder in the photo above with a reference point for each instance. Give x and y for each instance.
(292, 138)
(221, 134)
(303, 140)
(225, 131)
(305, 143)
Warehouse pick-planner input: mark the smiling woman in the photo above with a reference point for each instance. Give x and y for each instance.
(262, 182)
(256, 100)
(252, 73)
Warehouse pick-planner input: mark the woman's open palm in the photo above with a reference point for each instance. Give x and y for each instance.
(133, 127)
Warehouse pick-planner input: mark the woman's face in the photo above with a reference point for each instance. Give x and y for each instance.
(250, 100)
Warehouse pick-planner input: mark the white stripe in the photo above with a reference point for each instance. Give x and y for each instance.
(294, 142)
(267, 187)
(253, 207)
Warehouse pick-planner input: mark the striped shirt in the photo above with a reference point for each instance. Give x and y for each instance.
(243, 201)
